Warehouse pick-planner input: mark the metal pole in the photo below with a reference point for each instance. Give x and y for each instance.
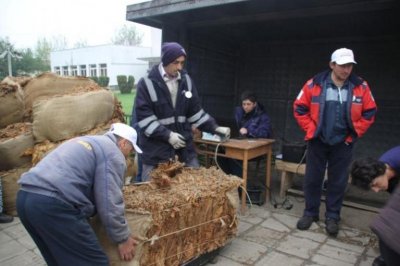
(9, 63)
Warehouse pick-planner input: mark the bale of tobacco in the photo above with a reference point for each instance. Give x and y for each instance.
(181, 214)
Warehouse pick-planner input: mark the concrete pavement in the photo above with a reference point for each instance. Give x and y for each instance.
(267, 236)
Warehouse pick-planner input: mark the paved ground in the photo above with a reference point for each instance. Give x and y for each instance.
(267, 236)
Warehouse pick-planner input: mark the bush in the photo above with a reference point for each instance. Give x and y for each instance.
(131, 83)
(123, 84)
(103, 81)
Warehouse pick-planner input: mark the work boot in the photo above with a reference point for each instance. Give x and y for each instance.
(306, 221)
(332, 226)
(379, 261)
(4, 218)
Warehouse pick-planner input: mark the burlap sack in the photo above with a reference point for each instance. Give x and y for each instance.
(15, 139)
(40, 150)
(49, 84)
(10, 188)
(11, 103)
(195, 215)
(67, 116)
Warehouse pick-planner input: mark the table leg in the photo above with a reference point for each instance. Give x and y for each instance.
(268, 175)
(244, 176)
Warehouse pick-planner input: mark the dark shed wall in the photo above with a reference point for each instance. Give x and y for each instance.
(273, 47)
(276, 69)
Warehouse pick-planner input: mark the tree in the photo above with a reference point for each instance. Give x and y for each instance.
(42, 51)
(5, 45)
(80, 44)
(59, 42)
(127, 36)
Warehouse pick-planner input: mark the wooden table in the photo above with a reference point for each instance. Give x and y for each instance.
(244, 150)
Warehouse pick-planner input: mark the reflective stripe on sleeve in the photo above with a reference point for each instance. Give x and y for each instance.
(150, 129)
(196, 116)
(144, 122)
(201, 121)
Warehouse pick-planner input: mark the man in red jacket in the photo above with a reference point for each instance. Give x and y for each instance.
(334, 108)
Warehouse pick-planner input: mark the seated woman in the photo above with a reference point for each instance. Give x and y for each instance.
(252, 122)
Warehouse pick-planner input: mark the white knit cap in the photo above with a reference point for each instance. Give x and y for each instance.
(126, 132)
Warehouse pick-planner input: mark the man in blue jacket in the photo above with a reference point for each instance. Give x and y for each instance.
(251, 118)
(80, 178)
(167, 107)
(252, 122)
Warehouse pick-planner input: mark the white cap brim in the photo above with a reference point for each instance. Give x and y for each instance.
(126, 132)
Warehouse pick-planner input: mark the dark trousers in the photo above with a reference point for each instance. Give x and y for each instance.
(337, 159)
(60, 231)
(138, 177)
(390, 256)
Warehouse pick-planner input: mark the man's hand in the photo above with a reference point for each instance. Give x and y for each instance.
(127, 249)
(176, 140)
(223, 132)
(243, 131)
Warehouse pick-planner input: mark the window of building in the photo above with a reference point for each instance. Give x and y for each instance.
(74, 71)
(103, 70)
(93, 70)
(65, 70)
(57, 70)
(83, 70)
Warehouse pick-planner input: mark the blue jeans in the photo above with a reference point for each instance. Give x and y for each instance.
(60, 231)
(337, 159)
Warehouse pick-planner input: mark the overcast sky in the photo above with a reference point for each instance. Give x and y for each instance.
(93, 21)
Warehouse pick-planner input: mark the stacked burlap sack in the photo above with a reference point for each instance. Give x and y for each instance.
(37, 114)
(192, 214)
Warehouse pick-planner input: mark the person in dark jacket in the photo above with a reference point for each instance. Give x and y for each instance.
(251, 118)
(252, 122)
(80, 178)
(334, 108)
(167, 106)
(381, 174)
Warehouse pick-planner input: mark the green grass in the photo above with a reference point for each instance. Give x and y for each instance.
(126, 101)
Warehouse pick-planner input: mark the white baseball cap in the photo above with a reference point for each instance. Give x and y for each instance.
(126, 132)
(343, 56)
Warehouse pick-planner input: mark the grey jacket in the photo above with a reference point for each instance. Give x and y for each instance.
(86, 173)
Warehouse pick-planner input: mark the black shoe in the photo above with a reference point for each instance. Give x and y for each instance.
(332, 226)
(4, 218)
(306, 221)
(379, 261)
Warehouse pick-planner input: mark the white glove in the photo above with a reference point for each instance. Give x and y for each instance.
(176, 140)
(223, 132)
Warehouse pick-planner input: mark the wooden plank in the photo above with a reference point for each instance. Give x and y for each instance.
(290, 167)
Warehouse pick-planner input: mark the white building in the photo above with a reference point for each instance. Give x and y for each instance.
(102, 60)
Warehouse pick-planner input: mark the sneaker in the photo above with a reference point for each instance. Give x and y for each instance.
(379, 261)
(4, 218)
(332, 226)
(306, 221)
